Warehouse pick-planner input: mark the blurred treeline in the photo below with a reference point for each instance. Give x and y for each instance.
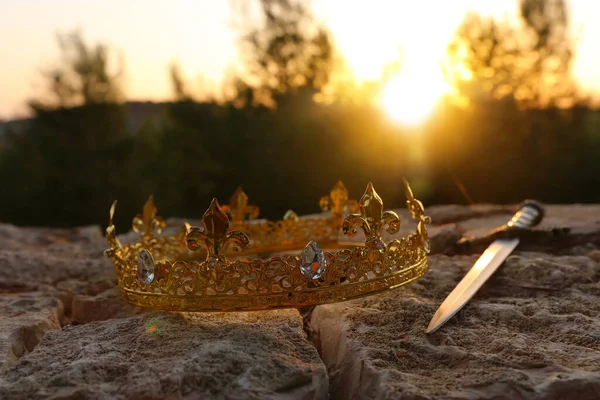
(293, 123)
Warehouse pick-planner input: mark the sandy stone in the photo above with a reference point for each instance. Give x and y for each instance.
(532, 332)
(24, 319)
(106, 305)
(29, 268)
(588, 213)
(582, 222)
(68, 289)
(481, 226)
(573, 216)
(85, 239)
(443, 238)
(38, 236)
(594, 255)
(444, 214)
(261, 355)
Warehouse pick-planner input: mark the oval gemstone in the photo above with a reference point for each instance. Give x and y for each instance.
(312, 261)
(145, 267)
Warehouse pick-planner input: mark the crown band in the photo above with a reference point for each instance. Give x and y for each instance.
(163, 272)
(291, 232)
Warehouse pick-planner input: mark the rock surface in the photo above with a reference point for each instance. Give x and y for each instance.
(162, 356)
(105, 305)
(532, 332)
(24, 319)
(132, 353)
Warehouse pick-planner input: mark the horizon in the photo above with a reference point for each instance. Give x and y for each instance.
(148, 51)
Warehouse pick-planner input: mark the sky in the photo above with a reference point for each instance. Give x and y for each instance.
(199, 36)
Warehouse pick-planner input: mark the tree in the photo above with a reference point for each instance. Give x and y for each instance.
(180, 88)
(73, 157)
(547, 24)
(287, 51)
(185, 91)
(84, 76)
(529, 61)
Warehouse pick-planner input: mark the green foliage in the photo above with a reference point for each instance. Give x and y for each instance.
(504, 154)
(83, 150)
(67, 167)
(74, 162)
(286, 51)
(529, 61)
(84, 76)
(180, 88)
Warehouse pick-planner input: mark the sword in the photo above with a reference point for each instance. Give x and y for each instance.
(529, 215)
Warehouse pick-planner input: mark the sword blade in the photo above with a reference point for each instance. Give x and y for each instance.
(480, 272)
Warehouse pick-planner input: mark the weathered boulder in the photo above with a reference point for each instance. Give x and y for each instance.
(532, 332)
(86, 240)
(582, 222)
(108, 304)
(24, 319)
(30, 269)
(68, 289)
(237, 355)
(35, 258)
(261, 355)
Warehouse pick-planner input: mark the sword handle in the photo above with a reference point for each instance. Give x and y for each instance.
(529, 215)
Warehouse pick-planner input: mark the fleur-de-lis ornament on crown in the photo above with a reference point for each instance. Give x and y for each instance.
(371, 219)
(111, 234)
(239, 208)
(148, 223)
(416, 209)
(215, 235)
(290, 215)
(337, 201)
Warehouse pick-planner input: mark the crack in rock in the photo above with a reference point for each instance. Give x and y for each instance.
(24, 319)
(508, 342)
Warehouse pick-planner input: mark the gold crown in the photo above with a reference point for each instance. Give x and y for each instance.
(162, 272)
(291, 232)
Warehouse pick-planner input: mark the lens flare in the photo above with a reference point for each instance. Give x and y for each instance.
(151, 327)
(411, 96)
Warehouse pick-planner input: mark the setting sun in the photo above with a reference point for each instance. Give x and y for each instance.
(410, 97)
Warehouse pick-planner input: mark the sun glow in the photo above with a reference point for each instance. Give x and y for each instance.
(410, 97)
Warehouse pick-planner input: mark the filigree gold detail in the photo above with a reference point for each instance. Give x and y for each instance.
(183, 282)
(371, 218)
(239, 208)
(215, 234)
(416, 209)
(291, 232)
(288, 234)
(148, 223)
(290, 215)
(338, 201)
(161, 247)
(111, 234)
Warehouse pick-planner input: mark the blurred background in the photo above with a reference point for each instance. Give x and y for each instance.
(473, 101)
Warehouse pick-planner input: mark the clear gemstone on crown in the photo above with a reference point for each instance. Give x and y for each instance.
(145, 267)
(313, 262)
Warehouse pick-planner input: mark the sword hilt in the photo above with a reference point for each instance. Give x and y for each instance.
(530, 214)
